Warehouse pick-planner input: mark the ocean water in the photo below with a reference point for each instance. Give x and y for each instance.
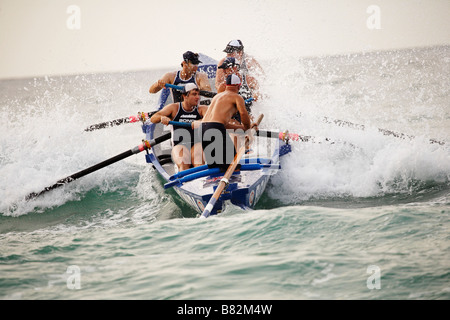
(352, 214)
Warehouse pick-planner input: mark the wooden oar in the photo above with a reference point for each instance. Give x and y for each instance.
(224, 181)
(118, 122)
(144, 146)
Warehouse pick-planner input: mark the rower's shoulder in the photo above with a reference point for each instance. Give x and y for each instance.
(252, 62)
(201, 75)
(221, 61)
(239, 97)
(232, 96)
(170, 75)
(221, 96)
(172, 106)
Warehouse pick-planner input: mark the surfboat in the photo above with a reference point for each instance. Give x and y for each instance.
(196, 185)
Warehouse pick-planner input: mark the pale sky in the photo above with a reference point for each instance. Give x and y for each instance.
(47, 37)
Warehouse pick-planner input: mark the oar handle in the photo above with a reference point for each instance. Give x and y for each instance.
(172, 86)
(181, 124)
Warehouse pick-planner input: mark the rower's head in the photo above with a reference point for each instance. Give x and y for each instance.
(233, 82)
(230, 66)
(234, 48)
(191, 94)
(190, 61)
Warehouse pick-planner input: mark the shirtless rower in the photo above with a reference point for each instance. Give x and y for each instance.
(218, 148)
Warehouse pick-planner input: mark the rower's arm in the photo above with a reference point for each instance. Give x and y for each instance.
(158, 85)
(254, 87)
(245, 118)
(220, 76)
(234, 125)
(203, 82)
(166, 112)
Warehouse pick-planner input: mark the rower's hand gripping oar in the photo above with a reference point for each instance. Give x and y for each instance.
(224, 182)
(142, 116)
(144, 146)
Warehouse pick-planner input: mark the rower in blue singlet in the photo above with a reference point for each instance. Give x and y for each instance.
(186, 151)
(178, 81)
(188, 74)
(182, 135)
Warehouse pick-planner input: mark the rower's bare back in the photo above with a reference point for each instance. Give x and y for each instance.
(223, 107)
